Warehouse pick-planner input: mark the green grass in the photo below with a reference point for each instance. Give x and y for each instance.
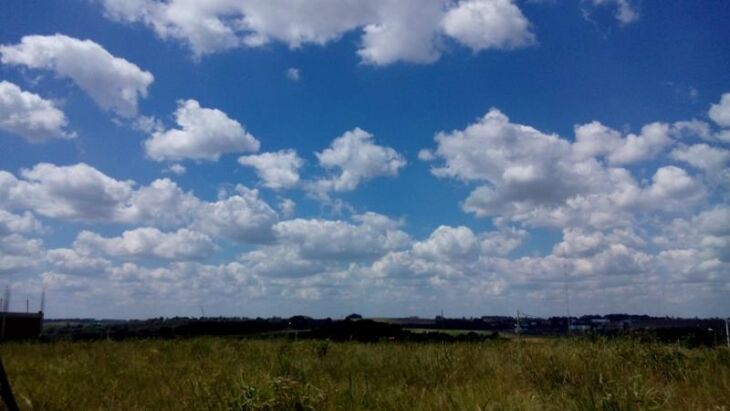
(220, 373)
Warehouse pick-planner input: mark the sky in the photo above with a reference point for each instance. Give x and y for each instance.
(385, 157)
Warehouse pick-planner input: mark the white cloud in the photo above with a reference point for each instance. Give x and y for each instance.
(720, 112)
(702, 156)
(278, 169)
(19, 254)
(69, 261)
(278, 261)
(540, 179)
(242, 217)
(293, 73)
(148, 242)
(696, 249)
(81, 192)
(692, 128)
(357, 158)
(30, 116)
(392, 30)
(177, 168)
(162, 202)
(287, 207)
(112, 82)
(625, 12)
(75, 192)
(671, 187)
(594, 139)
(484, 24)
(503, 241)
(403, 30)
(448, 243)
(426, 155)
(582, 243)
(204, 134)
(25, 223)
(520, 163)
(652, 140)
(338, 240)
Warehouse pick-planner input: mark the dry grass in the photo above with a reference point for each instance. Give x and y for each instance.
(219, 373)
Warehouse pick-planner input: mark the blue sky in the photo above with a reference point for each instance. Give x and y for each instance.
(384, 157)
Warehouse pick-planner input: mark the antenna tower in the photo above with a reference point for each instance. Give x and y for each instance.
(6, 300)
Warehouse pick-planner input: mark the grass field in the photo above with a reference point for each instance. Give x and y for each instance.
(220, 373)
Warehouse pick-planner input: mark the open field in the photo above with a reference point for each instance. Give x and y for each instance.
(227, 373)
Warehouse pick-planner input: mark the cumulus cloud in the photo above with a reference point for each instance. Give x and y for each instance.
(19, 254)
(75, 192)
(68, 261)
(81, 192)
(278, 169)
(112, 82)
(25, 223)
(148, 242)
(204, 134)
(541, 179)
(520, 163)
(720, 112)
(695, 250)
(243, 217)
(357, 158)
(287, 206)
(392, 30)
(702, 156)
(403, 30)
(652, 140)
(596, 140)
(177, 168)
(448, 243)
(30, 116)
(484, 24)
(340, 240)
(625, 11)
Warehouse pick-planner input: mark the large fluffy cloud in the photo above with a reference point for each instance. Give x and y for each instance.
(340, 240)
(112, 82)
(74, 192)
(542, 179)
(357, 158)
(277, 169)
(483, 24)
(204, 134)
(242, 217)
(596, 140)
(30, 116)
(81, 192)
(148, 242)
(393, 30)
(19, 223)
(702, 156)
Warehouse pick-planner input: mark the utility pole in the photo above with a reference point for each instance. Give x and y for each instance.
(727, 333)
(518, 325)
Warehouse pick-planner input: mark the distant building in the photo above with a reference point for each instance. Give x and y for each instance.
(20, 326)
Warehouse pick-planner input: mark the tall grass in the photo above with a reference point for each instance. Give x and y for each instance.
(224, 374)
